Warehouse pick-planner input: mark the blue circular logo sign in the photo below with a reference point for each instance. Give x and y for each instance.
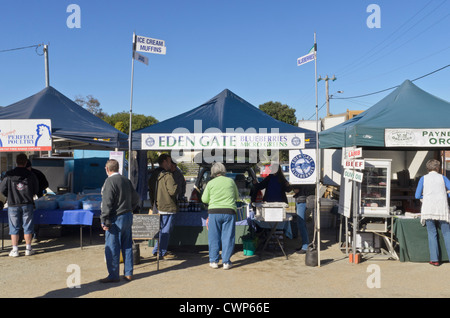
(302, 166)
(150, 141)
(296, 141)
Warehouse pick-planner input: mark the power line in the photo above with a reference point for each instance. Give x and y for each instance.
(398, 47)
(387, 89)
(362, 58)
(22, 48)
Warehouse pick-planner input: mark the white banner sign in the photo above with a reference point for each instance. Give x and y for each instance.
(222, 141)
(417, 137)
(149, 45)
(302, 166)
(25, 135)
(353, 175)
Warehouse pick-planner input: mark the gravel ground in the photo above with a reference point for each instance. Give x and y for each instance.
(270, 275)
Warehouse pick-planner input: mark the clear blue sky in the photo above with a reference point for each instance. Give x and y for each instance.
(247, 46)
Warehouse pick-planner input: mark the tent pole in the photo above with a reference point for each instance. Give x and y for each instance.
(131, 108)
(318, 157)
(47, 76)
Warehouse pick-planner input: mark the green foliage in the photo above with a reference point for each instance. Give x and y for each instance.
(122, 121)
(279, 111)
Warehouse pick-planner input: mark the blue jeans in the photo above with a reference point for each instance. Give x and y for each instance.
(301, 209)
(166, 225)
(221, 233)
(433, 238)
(21, 216)
(119, 238)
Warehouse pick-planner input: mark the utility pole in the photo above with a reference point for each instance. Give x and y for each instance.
(326, 79)
(47, 75)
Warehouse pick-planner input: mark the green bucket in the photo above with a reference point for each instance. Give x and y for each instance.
(249, 246)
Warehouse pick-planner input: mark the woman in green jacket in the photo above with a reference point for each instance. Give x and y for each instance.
(221, 194)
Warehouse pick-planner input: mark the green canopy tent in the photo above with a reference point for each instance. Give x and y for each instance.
(407, 107)
(406, 119)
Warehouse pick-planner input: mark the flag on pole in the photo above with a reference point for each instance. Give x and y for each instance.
(311, 56)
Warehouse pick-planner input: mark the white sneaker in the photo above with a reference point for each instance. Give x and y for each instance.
(227, 266)
(29, 252)
(14, 253)
(213, 265)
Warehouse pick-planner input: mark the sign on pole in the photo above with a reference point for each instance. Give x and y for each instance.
(353, 175)
(141, 58)
(302, 166)
(149, 45)
(354, 164)
(354, 153)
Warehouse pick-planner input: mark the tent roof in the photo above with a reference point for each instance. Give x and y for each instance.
(73, 127)
(226, 110)
(408, 106)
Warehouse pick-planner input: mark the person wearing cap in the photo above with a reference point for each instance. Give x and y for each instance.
(42, 180)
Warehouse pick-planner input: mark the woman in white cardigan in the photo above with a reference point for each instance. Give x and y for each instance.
(432, 189)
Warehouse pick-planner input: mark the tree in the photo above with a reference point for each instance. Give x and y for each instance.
(91, 104)
(280, 111)
(283, 113)
(121, 121)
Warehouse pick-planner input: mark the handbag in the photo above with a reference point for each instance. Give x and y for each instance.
(311, 258)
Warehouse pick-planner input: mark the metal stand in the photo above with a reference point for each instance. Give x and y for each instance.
(272, 231)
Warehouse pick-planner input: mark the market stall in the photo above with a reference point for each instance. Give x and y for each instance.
(224, 125)
(72, 127)
(408, 121)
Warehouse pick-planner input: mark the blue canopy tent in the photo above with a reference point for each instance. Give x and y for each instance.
(73, 127)
(407, 107)
(224, 111)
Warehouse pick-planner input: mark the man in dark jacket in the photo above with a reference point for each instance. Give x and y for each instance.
(119, 200)
(20, 186)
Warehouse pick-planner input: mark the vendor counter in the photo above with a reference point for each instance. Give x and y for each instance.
(413, 241)
(190, 228)
(58, 217)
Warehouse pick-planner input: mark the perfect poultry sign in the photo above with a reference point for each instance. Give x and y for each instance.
(25, 135)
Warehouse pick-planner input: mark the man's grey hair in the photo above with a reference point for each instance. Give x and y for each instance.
(218, 169)
(433, 165)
